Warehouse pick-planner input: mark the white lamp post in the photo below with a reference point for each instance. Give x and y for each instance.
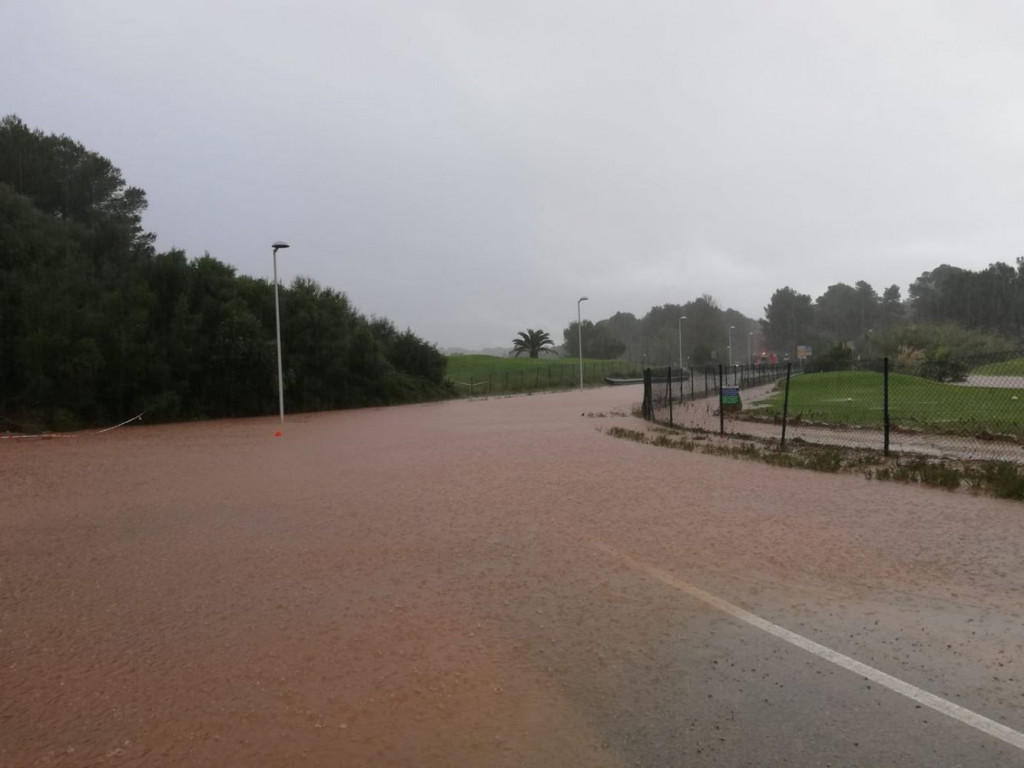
(681, 343)
(579, 330)
(731, 327)
(277, 317)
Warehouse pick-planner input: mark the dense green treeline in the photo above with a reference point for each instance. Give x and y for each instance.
(700, 330)
(991, 299)
(951, 313)
(96, 326)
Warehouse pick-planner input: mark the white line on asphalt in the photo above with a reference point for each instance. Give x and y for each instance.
(973, 719)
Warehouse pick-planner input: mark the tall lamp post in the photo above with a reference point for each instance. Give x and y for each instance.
(579, 330)
(749, 336)
(731, 328)
(277, 318)
(681, 343)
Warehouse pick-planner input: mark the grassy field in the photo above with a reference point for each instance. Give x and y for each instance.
(1006, 368)
(856, 398)
(484, 374)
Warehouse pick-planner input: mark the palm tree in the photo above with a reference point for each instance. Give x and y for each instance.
(533, 342)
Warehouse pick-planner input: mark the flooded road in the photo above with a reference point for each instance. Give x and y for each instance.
(489, 582)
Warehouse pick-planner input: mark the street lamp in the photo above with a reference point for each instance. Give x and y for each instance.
(731, 328)
(749, 359)
(579, 330)
(277, 318)
(681, 343)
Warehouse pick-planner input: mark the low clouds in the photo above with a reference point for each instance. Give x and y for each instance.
(471, 169)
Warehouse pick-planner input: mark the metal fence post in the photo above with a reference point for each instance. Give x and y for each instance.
(669, 382)
(647, 407)
(721, 404)
(885, 403)
(785, 407)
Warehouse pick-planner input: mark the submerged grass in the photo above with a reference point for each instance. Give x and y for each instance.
(627, 434)
(1003, 480)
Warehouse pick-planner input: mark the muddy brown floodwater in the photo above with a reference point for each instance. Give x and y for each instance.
(431, 586)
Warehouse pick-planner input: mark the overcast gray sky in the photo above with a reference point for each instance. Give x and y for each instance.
(470, 168)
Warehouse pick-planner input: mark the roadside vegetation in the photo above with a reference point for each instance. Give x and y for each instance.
(96, 325)
(1001, 479)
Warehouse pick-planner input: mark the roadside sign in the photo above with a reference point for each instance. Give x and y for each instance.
(731, 396)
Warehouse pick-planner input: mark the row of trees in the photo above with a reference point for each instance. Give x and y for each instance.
(988, 300)
(842, 315)
(700, 329)
(96, 326)
(950, 312)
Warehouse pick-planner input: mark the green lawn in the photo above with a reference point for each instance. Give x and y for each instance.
(1005, 368)
(484, 374)
(856, 398)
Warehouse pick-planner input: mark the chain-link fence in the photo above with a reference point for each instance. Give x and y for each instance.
(674, 390)
(970, 409)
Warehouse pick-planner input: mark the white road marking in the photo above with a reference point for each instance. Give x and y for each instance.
(939, 704)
